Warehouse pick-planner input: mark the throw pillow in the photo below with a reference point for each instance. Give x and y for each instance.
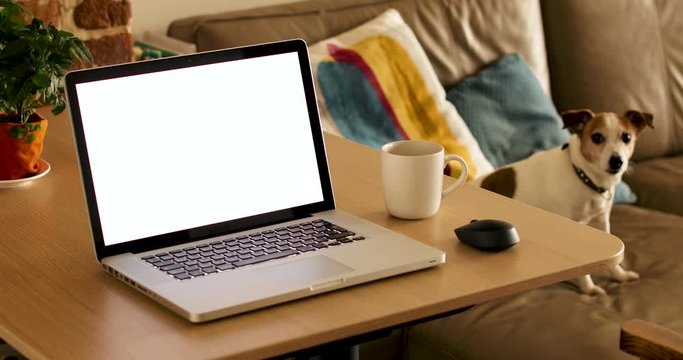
(376, 85)
(507, 111)
(510, 115)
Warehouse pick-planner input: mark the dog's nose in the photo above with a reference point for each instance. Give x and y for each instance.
(615, 163)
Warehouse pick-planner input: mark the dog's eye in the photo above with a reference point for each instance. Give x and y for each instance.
(598, 138)
(626, 138)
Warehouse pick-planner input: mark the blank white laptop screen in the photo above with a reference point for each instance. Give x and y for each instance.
(235, 142)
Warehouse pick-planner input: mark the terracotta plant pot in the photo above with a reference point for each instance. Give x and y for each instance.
(19, 157)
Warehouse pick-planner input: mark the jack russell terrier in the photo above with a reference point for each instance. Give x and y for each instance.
(577, 180)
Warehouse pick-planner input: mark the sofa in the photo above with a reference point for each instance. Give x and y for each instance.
(607, 55)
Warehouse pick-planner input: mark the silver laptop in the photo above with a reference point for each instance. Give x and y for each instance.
(207, 184)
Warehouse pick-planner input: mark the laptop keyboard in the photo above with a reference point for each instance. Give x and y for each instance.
(232, 253)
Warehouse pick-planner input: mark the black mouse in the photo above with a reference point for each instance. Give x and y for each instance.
(488, 235)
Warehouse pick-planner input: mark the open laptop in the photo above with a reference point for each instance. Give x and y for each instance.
(207, 184)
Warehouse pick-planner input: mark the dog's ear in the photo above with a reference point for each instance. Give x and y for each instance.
(639, 119)
(575, 120)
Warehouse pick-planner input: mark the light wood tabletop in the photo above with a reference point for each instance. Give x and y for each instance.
(57, 303)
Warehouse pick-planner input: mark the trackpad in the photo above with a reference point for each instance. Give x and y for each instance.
(308, 271)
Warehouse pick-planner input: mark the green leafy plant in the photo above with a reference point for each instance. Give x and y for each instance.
(34, 57)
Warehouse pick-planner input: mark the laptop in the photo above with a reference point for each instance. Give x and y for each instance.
(207, 183)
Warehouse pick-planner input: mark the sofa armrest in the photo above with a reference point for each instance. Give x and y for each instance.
(647, 340)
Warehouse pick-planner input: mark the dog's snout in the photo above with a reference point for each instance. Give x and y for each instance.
(615, 162)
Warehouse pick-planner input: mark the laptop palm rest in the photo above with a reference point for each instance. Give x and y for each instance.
(307, 272)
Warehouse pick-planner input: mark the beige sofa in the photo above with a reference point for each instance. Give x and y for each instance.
(607, 55)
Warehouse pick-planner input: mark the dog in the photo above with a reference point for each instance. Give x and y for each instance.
(577, 180)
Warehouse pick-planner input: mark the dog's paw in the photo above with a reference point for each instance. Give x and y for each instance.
(594, 291)
(621, 275)
(629, 276)
(586, 286)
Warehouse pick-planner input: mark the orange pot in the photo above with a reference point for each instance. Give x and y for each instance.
(19, 157)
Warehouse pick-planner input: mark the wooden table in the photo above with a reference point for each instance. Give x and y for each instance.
(56, 302)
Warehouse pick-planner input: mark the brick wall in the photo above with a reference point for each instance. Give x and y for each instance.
(104, 25)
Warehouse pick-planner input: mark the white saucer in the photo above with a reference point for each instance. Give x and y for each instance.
(43, 169)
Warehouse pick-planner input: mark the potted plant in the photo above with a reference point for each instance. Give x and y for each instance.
(34, 57)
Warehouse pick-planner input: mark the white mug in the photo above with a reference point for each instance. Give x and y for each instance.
(412, 177)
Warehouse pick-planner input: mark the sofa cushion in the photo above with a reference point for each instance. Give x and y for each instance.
(468, 34)
(658, 183)
(614, 55)
(559, 323)
(378, 86)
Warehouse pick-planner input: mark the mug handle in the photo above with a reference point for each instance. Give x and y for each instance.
(463, 174)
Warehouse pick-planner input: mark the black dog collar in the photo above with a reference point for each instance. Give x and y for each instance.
(586, 180)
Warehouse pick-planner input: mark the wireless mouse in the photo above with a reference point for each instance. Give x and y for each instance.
(488, 235)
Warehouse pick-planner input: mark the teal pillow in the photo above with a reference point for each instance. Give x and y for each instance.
(510, 115)
(507, 111)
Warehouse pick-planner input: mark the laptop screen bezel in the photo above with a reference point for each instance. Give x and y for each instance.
(178, 62)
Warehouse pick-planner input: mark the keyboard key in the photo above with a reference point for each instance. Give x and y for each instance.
(342, 235)
(182, 276)
(153, 260)
(209, 269)
(171, 267)
(191, 268)
(196, 273)
(225, 266)
(263, 258)
(176, 271)
(164, 263)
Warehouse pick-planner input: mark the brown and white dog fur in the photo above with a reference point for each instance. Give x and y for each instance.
(600, 145)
